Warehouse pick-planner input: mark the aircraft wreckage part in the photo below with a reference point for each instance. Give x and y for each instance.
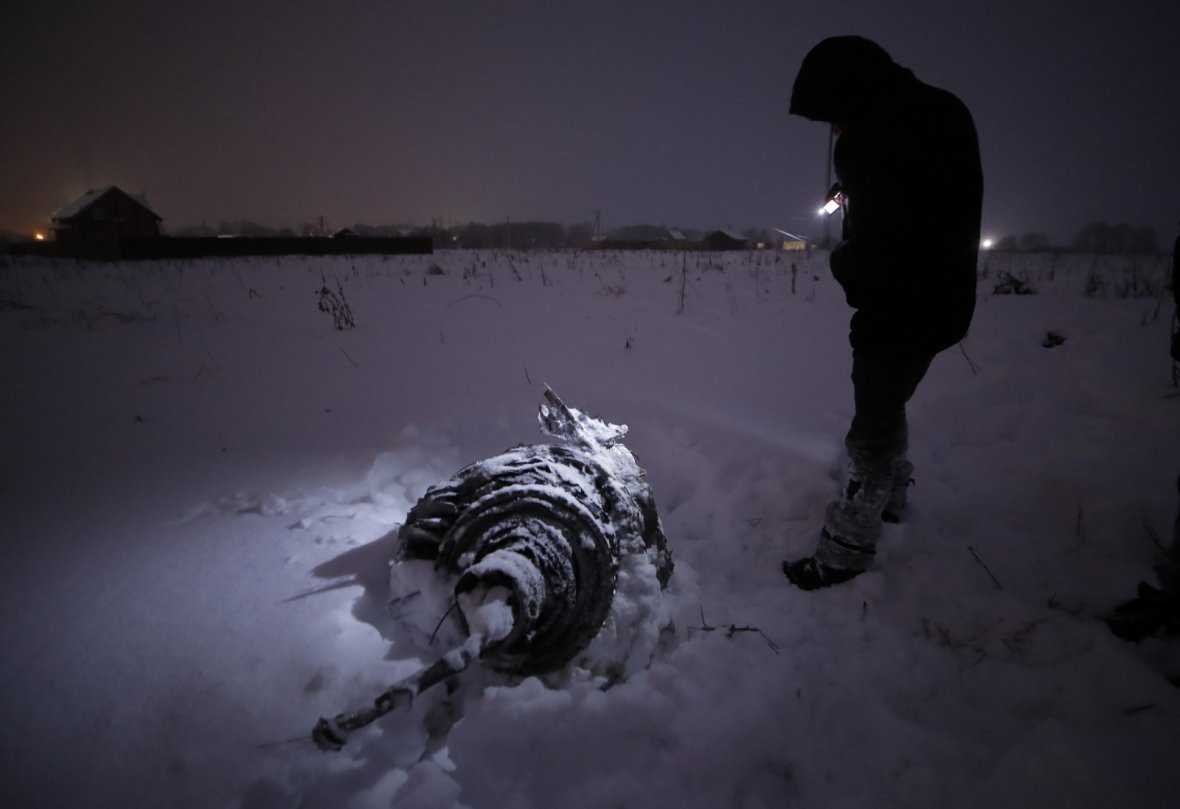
(537, 524)
(544, 528)
(331, 734)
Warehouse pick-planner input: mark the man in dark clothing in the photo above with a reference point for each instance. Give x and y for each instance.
(907, 160)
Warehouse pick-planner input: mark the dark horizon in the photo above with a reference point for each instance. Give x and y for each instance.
(667, 114)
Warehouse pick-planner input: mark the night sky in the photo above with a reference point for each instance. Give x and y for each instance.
(669, 113)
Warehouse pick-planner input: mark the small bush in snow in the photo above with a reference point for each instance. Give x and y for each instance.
(1011, 285)
(335, 304)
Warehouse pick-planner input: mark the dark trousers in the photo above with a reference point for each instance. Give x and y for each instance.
(878, 469)
(881, 388)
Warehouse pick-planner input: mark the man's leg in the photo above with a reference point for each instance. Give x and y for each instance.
(878, 471)
(903, 477)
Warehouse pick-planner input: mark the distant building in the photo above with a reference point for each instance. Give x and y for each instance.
(793, 242)
(105, 215)
(726, 240)
(108, 224)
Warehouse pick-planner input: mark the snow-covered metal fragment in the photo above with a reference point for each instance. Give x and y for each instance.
(533, 540)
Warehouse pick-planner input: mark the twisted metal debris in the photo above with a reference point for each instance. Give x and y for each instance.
(534, 538)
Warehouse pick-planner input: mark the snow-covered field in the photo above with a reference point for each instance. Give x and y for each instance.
(201, 481)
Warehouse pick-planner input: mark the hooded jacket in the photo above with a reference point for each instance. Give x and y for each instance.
(907, 159)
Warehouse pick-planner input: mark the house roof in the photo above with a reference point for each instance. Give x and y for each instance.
(94, 195)
(729, 234)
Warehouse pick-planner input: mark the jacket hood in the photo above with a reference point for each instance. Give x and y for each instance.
(839, 75)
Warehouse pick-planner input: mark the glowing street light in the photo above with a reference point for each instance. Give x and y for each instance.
(986, 244)
(39, 236)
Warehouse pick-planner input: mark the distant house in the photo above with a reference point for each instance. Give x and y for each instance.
(726, 240)
(105, 215)
(793, 242)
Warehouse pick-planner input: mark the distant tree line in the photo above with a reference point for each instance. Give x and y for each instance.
(1096, 237)
(1102, 237)
(242, 227)
(474, 235)
(1026, 242)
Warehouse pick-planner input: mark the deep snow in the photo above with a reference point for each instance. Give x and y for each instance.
(202, 479)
